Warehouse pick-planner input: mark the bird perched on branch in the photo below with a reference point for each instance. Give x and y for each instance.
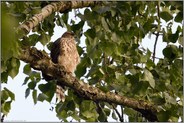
(64, 53)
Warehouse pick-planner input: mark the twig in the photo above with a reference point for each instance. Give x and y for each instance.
(157, 34)
(120, 117)
(122, 112)
(2, 118)
(156, 57)
(155, 45)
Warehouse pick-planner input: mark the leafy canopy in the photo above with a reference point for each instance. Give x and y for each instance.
(112, 59)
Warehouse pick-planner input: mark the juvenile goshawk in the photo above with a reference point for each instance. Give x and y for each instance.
(64, 52)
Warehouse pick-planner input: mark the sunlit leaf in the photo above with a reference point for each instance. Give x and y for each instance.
(14, 68)
(169, 98)
(104, 24)
(7, 107)
(10, 94)
(9, 42)
(149, 77)
(4, 95)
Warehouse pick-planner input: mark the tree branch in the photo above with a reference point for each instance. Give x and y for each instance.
(155, 45)
(51, 8)
(41, 61)
(120, 117)
(157, 34)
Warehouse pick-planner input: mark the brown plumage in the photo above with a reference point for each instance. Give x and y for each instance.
(64, 52)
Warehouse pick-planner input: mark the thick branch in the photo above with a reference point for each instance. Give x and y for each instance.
(40, 61)
(51, 8)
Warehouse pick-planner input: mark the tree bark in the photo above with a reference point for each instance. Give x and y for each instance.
(41, 61)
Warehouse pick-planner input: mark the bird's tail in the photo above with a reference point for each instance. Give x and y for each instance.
(60, 93)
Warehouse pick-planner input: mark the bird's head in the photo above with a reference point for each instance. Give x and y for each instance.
(67, 34)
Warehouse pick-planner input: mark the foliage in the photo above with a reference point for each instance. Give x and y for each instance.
(112, 60)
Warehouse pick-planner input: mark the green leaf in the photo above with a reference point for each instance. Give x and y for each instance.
(27, 92)
(102, 116)
(163, 116)
(10, 94)
(59, 107)
(35, 76)
(32, 85)
(166, 16)
(180, 40)
(170, 52)
(169, 98)
(75, 116)
(27, 69)
(114, 115)
(179, 17)
(33, 39)
(14, 68)
(7, 107)
(77, 27)
(42, 97)
(9, 43)
(107, 47)
(130, 112)
(149, 77)
(139, 88)
(81, 69)
(4, 95)
(62, 115)
(104, 112)
(105, 25)
(89, 15)
(34, 96)
(45, 87)
(13, 73)
(3, 66)
(107, 111)
(158, 100)
(88, 110)
(26, 80)
(90, 33)
(113, 12)
(48, 89)
(173, 37)
(71, 105)
(44, 38)
(65, 18)
(88, 114)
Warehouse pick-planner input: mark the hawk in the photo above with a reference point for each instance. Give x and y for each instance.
(64, 52)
